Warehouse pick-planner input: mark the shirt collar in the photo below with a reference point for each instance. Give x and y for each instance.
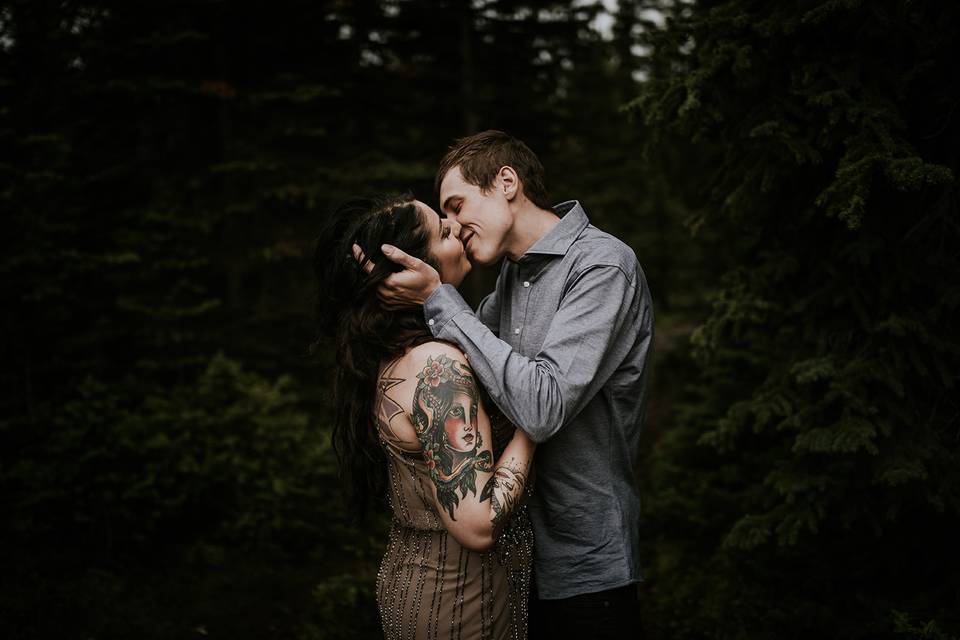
(573, 220)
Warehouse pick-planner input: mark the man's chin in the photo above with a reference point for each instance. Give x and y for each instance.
(479, 260)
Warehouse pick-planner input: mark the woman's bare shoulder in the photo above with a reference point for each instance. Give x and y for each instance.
(397, 384)
(416, 355)
(401, 374)
(423, 355)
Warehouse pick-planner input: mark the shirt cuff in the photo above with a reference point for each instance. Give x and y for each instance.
(444, 303)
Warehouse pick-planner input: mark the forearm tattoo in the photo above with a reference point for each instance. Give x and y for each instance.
(445, 409)
(504, 489)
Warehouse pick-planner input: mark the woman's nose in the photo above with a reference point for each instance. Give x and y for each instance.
(454, 227)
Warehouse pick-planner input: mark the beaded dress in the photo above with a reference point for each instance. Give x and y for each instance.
(430, 587)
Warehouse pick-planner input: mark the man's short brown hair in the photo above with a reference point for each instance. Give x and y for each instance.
(481, 156)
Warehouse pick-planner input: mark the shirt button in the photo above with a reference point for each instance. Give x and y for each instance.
(430, 322)
(517, 331)
(526, 283)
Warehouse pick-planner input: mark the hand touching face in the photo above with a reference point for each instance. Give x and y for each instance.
(410, 287)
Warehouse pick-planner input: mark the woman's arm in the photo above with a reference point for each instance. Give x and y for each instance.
(474, 494)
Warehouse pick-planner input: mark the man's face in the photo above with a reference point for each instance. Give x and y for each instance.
(485, 218)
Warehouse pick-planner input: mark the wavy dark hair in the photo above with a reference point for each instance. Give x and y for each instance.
(364, 333)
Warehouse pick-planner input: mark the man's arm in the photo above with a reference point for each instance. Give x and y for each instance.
(601, 310)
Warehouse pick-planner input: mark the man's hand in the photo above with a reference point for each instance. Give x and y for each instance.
(408, 288)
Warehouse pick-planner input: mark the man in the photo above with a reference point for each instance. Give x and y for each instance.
(562, 346)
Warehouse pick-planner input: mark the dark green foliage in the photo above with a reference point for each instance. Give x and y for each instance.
(193, 477)
(164, 167)
(810, 484)
(904, 626)
(788, 183)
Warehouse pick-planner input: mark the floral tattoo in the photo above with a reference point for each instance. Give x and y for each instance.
(445, 418)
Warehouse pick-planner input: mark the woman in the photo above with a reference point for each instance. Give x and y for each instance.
(410, 420)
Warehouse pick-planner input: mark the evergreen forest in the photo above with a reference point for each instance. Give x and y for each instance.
(786, 172)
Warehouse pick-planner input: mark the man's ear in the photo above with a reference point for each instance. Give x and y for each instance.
(508, 182)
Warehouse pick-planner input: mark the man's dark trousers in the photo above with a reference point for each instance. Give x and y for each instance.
(609, 614)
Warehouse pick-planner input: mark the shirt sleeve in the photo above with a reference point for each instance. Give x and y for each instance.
(601, 317)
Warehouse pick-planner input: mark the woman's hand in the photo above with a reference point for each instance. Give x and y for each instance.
(404, 289)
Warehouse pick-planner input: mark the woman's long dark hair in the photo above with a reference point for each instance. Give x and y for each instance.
(365, 334)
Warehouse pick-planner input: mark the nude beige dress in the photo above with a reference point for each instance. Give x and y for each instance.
(429, 587)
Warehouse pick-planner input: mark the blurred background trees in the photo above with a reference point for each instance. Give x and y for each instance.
(786, 173)
(812, 464)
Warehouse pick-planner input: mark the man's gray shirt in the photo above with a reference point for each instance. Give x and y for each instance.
(562, 346)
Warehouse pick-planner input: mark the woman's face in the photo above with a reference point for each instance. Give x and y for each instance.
(445, 246)
(460, 423)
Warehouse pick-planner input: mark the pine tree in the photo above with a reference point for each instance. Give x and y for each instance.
(810, 482)
(164, 167)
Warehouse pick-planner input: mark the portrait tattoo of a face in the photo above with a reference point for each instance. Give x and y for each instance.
(445, 418)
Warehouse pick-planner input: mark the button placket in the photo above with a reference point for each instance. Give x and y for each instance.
(525, 297)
